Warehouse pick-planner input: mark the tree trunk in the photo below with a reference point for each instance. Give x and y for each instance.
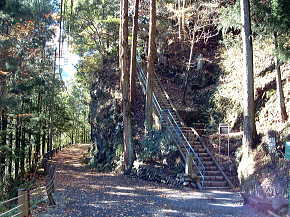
(3, 155)
(179, 20)
(183, 20)
(49, 143)
(10, 154)
(60, 33)
(23, 147)
(127, 134)
(22, 140)
(29, 152)
(52, 106)
(44, 149)
(150, 67)
(3, 126)
(133, 53)
(120, 43)
(17, 146)
(187, 71)
(38, 143)
(250, 133)
(280, 93)
(72, 137)
(91, 134)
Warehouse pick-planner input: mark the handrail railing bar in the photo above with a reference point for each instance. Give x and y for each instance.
(184, 138)
(37, 193)
(9, 211)
(144, 79)
(180, 136)
(18, 214)
(188, 145)
(37, 189)
(9, 200)
(157, 105)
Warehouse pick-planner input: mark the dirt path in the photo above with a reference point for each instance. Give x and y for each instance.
(85, 193)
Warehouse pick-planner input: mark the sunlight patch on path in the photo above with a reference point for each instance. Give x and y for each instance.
(81, 192)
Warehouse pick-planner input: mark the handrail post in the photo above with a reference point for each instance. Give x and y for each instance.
(23, 202)
(190, 171)
(179, 136)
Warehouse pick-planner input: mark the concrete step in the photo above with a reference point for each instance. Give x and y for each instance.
(204, 158)
(208, 163)
(215, 188)
(212, 173)
(196, 150)
(210, 168)
(194, 142)
(175, 116)
(165, 104)
(214, 178)
(196, 145)
(199, 150)
(186, 128)
(163, 101)
(204, 154)
(190, 136)
(200, 131)
(193, 146)
(215, 184)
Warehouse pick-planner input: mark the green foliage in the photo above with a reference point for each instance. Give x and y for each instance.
(155, 145)
(268, 17)
(230, 18)
(35, 107)
(152, 145)
(93, 26)
(4, 150)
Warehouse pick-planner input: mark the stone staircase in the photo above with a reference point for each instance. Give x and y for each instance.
(187, 139)
(214, 177)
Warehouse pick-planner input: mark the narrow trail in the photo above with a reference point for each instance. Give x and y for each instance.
(86, 193)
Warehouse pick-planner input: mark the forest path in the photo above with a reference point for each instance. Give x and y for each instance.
(83, 192)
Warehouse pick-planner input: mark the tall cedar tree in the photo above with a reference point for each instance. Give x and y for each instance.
(150, 67)
(127, 134)
(133, 53)
(280, 93)
(250, 133)
(120, 42)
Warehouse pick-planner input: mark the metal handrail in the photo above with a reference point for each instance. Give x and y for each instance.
(185, 139)
(143, 80)
(10, 210)
(9, 200)
(180, 136)
(189, 149)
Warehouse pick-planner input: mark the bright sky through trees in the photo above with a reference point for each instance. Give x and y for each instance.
(69, 61)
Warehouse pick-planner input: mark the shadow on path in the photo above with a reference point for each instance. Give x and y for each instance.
(86, 193)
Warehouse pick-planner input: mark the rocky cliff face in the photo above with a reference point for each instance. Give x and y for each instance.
(105, 116)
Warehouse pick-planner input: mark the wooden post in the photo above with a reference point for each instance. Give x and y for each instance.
(23, 200)
(52, 178)
(50, 188)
